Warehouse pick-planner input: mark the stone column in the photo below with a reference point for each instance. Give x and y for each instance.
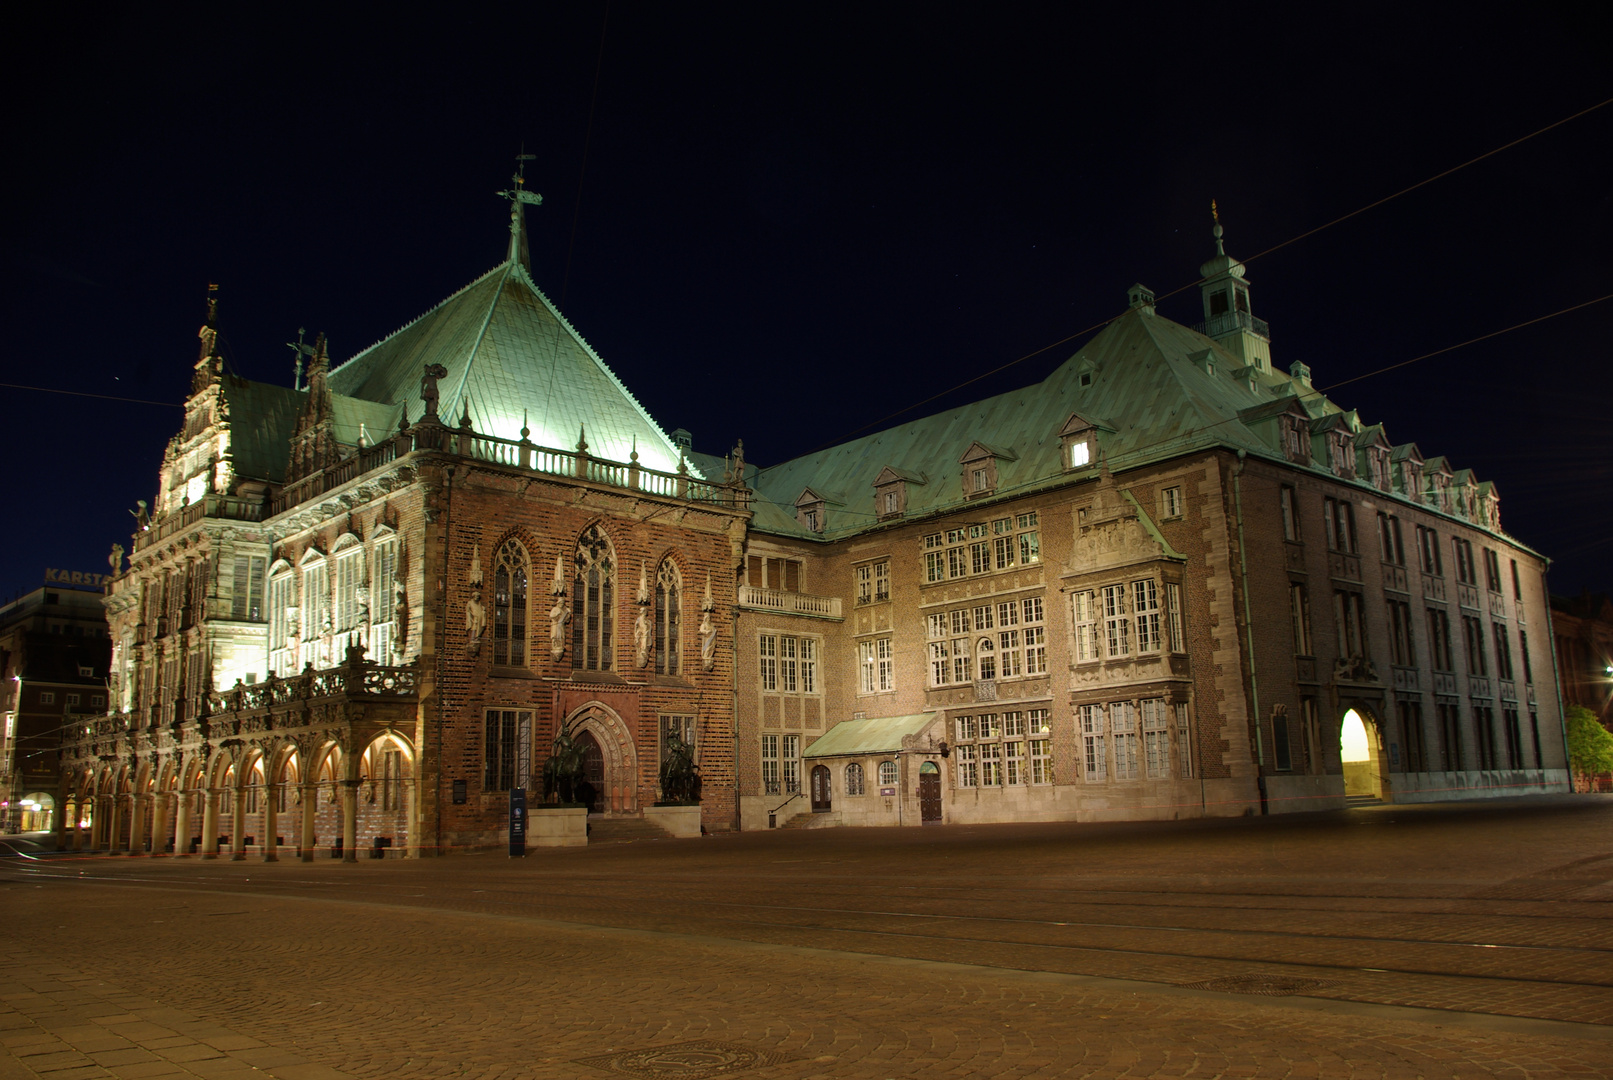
(137, 823)
(182, 823)
(238, 827)
(271, 820)
(350, 821)
(116, 819)
(161, 803)
(210, 824)
(310, 807)
(61, 821)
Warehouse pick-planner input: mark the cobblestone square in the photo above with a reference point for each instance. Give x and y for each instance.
(1432, 941)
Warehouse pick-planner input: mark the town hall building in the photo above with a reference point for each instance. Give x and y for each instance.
(1170, 580)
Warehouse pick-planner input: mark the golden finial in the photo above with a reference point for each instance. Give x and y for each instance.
(1214, 213)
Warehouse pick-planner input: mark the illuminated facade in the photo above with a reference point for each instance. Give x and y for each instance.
(1152, 585)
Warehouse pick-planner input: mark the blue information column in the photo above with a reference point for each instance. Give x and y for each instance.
(517, 822)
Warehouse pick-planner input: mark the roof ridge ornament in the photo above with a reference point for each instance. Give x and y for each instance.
(519, 197)
(1215, 215)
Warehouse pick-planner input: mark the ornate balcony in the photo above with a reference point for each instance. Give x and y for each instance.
(521, 454)
(819, 607)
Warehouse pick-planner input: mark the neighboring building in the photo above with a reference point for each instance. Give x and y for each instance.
(1582, 627)
(53, 664)
(360, 612)
(1153, 585)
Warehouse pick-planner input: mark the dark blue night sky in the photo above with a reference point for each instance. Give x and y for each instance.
(798, 219)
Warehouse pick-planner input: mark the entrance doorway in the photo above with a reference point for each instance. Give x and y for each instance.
(1360, 749)
(593, 772)
(820, 789)
(929, 792)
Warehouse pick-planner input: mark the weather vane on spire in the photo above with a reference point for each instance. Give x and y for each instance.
(519, 196)
(1214, 213)
(301, 350)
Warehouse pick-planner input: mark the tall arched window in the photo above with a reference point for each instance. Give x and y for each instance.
(510, 573)
(593, 598)
(668, 619)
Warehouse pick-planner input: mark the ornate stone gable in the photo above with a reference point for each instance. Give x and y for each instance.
(1113, 532)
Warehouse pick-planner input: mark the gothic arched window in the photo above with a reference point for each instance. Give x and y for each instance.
(668, 619)
(593, 601)
(510, 574)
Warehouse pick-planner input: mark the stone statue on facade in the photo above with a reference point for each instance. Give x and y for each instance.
(708, 630)
(641, 625)
(475, 620)
(115, 560)
(428, 388)
(558, 614)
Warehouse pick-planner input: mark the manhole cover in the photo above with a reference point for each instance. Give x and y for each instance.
(1271, 985)
(685, 1061)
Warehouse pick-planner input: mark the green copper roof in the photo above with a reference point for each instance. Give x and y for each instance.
(262, 417)
(508, 353)
(881, 735)
(1157, 390)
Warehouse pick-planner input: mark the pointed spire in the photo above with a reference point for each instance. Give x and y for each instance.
(582, 438)
(525, 431)
(519, 197)
(558, 586)
(643, 582)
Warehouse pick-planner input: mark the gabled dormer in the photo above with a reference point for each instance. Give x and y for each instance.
(1333, 443)
(980, 468)
(1284, 425)
(1437, 483)
(1080, 441)
(1086, 371)
(1372, 450)
(890, 491)
(313, 441)
(1489, 503)
(1465, 494)
(1406, 462)
(811, 511)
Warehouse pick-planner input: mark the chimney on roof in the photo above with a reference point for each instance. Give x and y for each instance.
(681, 437)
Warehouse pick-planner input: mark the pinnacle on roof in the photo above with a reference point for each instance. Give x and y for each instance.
(1221, 263)
(519, 197)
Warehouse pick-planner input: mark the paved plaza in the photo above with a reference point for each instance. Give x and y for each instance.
(1470, 940)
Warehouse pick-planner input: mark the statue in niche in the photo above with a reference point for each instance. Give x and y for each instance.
(641, 625)
(558, 614)
(708, 630)
(115, 560)
(558, 618)
(708, 642)
(428, 387)
(400, 610)
(475, 619)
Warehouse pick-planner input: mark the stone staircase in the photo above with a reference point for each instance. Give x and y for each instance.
(623, 830)
(1353, 801)
(806, 819)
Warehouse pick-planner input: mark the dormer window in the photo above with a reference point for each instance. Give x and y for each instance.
(1343, 461)
(980, 469)
(810, 511)
(890, 492)
(1078, 442)
(1296, 439)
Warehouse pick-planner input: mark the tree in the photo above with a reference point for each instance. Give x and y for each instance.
(1590, 745)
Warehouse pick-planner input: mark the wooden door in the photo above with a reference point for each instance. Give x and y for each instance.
(820, 789)
(929, 792)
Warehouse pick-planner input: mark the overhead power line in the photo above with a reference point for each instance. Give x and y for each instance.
(1194, 284)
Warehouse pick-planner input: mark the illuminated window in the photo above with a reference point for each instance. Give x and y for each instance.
(593, 607)
(511, 574)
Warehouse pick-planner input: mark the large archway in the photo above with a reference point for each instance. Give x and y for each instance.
(618, 794)
(1361, 751)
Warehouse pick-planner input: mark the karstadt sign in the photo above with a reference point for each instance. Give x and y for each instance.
(75, 577)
